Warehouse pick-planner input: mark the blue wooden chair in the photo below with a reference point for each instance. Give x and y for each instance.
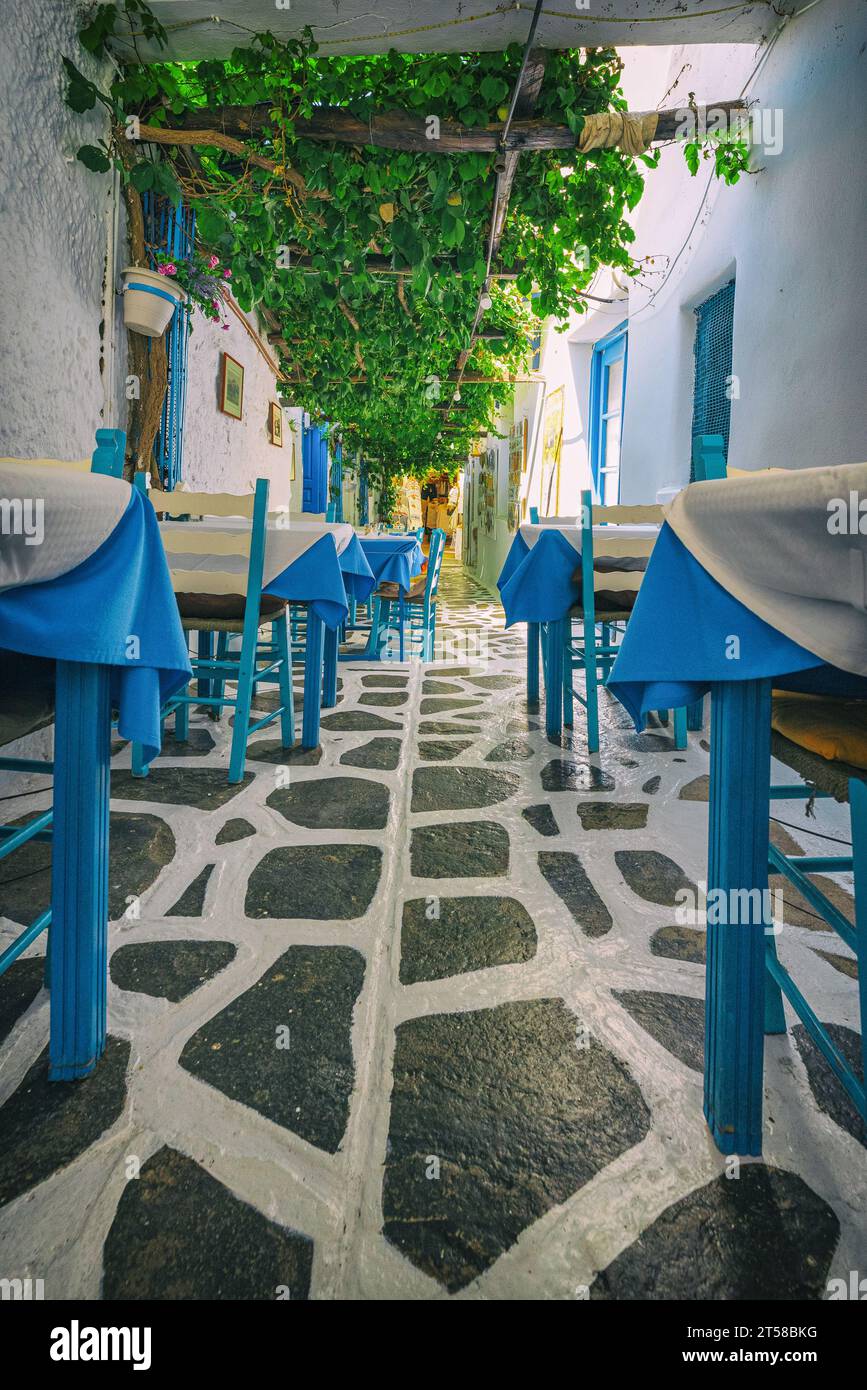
(566, 650)
(412, 611)
(534, 516)
(708, 457)
(225, 615)
(27, 701)
(823, 779)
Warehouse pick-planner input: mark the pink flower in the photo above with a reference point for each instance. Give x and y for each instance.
(213, 261)
(225, 328)
(227, 274)
(216, 303)
(170, 269)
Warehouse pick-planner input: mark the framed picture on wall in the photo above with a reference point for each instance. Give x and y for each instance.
(232, 387)
(275, 424)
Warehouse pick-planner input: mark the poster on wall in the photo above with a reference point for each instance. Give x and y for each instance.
(488, 492)
(517, 467)
(552, 439)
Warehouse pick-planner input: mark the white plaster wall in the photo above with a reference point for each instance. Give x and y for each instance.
(53, 241)
(793, 235)
(222, 454)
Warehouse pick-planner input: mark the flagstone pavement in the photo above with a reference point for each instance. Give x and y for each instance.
(415, 1017)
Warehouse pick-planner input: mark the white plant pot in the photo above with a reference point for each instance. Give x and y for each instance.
(149, 300)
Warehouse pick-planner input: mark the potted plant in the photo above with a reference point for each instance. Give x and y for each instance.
(151, 296)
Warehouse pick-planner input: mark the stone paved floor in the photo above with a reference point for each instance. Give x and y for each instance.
(416, 1018)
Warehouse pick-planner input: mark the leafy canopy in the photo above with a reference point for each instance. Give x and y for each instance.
(367, 350)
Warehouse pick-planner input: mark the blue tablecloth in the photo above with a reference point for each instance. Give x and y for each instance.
(359, 576)
(393, 559)
(116, 609)
(318, 578)
(678, 641)
(535, 583)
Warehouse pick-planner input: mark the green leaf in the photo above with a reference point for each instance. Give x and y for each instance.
(80, 94)
(94, 158)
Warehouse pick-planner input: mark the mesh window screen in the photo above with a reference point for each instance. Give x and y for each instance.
(711, 406)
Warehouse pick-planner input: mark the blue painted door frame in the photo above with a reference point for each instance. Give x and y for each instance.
(314, 463)
(606, 352)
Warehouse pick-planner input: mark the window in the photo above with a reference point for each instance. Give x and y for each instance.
(607, 391)
(711, 399)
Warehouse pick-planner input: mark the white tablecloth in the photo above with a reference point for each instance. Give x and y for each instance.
(53, 519)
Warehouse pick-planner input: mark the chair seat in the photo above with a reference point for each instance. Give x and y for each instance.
(26, 694)
(223, 612)
(824, 740)
(602, 615)
(415, 590)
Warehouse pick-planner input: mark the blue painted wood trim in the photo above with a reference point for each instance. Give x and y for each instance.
(737, 859)
(79, 873)
(611, 348)
(313, 655)
(109, 454)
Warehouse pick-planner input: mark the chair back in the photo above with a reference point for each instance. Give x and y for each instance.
(610, 578)
(187, 538)
(107, 457)
(708, 457)
(434, 564)
(534, 516)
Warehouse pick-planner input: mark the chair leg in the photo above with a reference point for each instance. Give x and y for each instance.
(858, 816)
(280, 635)
(695, 716)
(662, 716)
(139, 767)
(218, 684)
(680, 739)
(240, 732)
(532, 663)
(401, 619)
(205, 649)
(568, 697)
(312, 681)
(591, 676)
(554, 679)
(329, 675)
(182, 713)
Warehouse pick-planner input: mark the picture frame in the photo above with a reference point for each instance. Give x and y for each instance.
(232, 387)
(275, 424)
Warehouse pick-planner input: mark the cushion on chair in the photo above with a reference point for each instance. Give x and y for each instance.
(618, 601)
(415, 590)
(834, 729)
(26, 694)
(226, 607)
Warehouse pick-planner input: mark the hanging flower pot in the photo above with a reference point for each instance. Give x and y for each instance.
(149, 300)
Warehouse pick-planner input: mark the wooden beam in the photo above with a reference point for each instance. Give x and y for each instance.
(384, 265)
(404, 130)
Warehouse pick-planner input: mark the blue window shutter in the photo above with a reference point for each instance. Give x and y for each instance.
(314, 463)
(711, 403)
(173, 231)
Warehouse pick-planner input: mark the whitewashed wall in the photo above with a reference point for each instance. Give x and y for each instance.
(793, 236)
(55, 220)
(228, 455)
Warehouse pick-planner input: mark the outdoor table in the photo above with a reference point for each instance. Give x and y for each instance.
(94, 596)
(768, 594)
(316, 563)
(537, 588)
(393, 559)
